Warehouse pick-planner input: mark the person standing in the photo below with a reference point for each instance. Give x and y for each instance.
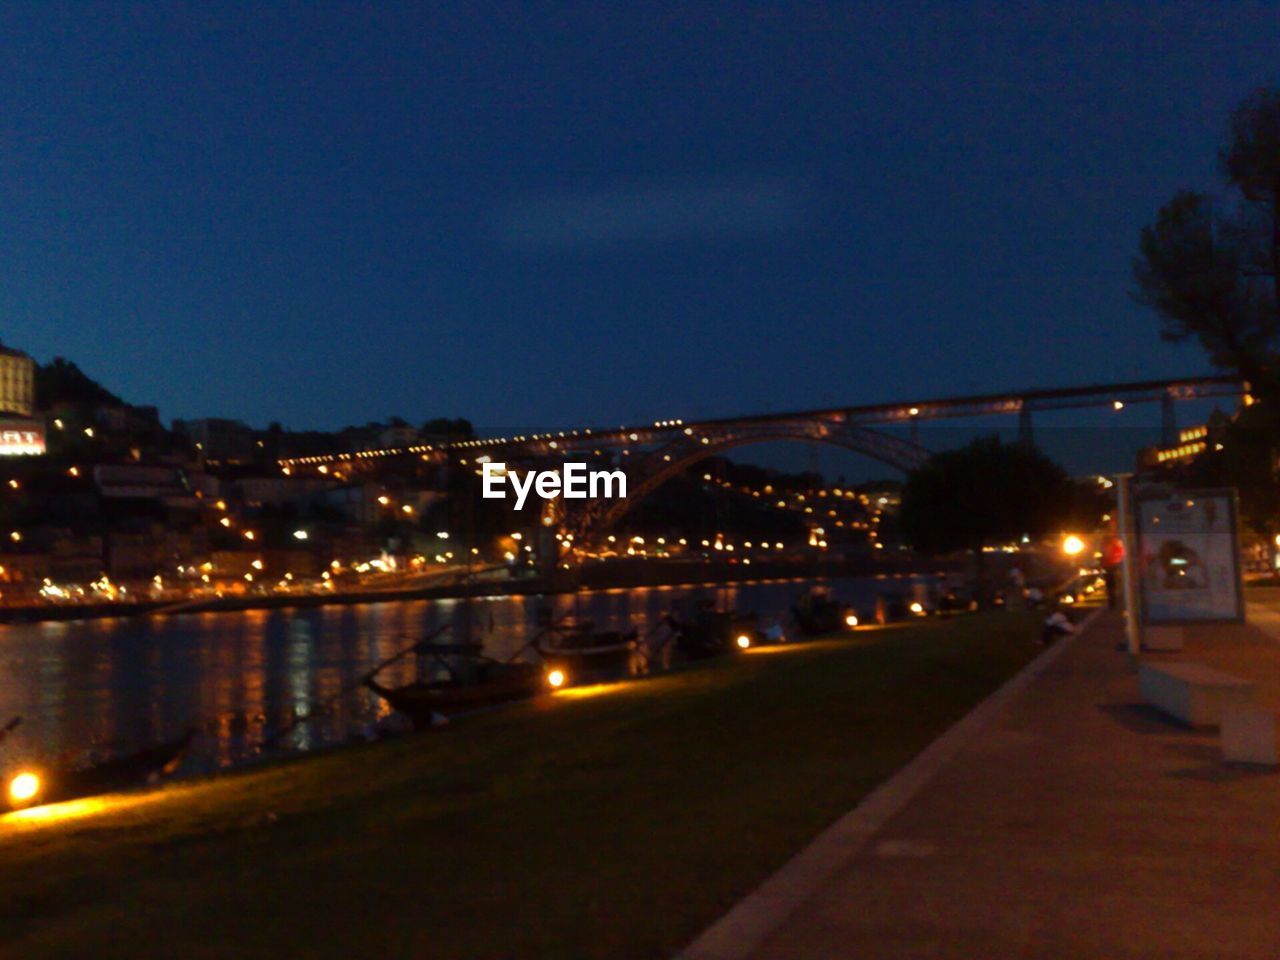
(1112, 558)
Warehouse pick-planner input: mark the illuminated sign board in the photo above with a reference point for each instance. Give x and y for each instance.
(1189, 557)
(21, 438)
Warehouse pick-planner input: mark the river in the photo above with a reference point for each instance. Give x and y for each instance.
(93, 686)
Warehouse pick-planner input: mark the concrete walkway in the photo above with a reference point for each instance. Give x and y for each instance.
(1075, 823)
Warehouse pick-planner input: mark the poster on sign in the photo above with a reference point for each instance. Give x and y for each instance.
(1189, 557)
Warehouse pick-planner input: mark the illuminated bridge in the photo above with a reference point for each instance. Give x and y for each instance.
(653, 453)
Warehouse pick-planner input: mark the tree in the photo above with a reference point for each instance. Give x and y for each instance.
(444, 429)
(1210, 268)
(987, 492)
(61, 381)
(1211, 271)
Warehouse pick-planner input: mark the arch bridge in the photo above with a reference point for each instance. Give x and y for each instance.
(587, 524)
(653, 453)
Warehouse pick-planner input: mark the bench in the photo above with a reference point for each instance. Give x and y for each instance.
(1191, 692)
(1249, 735)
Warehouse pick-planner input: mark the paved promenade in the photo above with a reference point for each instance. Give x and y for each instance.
(1071, 822)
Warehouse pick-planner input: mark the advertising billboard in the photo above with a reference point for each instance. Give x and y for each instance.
(1189, 557)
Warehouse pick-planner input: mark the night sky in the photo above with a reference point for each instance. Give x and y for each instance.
(598, 213)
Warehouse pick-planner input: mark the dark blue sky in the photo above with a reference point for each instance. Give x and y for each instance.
(538, 215)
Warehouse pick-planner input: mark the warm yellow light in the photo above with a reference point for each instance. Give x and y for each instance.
(1118, 405)
(225, 521)
(1072, 545)
(24, 787)
(744, 641)
(556, 678)
(851, 620)
(917, 607)
(1068, 598)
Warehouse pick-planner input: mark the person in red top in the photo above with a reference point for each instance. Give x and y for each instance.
(1112, 558)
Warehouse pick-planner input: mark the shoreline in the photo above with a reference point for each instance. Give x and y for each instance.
(622, 576)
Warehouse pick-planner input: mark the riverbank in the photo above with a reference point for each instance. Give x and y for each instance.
(614, 575)
(582, 824)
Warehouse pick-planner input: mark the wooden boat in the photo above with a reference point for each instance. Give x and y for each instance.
(459, 679)
(816, 614)
(711, 633)
(581, 650)
(116, 773)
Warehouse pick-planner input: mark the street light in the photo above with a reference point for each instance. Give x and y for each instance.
(1072, 545)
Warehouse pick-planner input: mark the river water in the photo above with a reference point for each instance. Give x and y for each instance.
(86, 688)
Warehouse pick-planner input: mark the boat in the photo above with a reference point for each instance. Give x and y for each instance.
(39, 786)
(581, 650)
(459, 679)
(817, 614)
(709, 632)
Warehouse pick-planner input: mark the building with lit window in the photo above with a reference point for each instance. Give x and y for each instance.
(17, 382)
(19, 433)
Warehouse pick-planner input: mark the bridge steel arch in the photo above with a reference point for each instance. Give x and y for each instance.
(596, 518)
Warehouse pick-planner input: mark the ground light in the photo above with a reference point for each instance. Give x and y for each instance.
(556, 678)
(744, 641)
(24, 788)
(1072, 545)
(851, 620)
(917, 608)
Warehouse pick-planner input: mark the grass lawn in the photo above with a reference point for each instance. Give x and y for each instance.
(609, 822)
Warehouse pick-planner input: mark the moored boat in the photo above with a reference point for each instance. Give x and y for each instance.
(581, 651)
(816, 614)
(459, 679)
(29, 787)
(709, 632)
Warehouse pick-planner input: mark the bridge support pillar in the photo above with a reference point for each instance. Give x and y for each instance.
(1168, 422)
(1026, 436)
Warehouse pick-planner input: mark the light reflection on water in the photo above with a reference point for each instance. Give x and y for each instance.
(241, 676)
